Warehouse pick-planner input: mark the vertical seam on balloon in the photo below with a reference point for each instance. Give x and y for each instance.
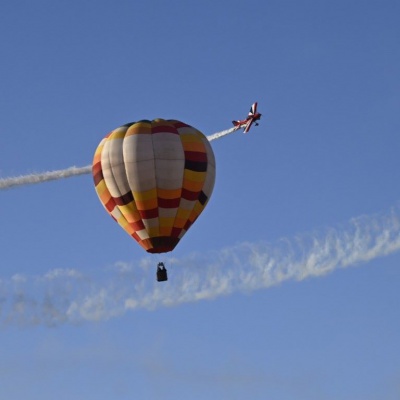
(171, 122)
(155, 175)
(194, 201)
(183, 176)
(202, 186)
(116, 184)
(126, 175)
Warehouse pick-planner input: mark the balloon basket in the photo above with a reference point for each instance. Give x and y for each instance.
(161, 273)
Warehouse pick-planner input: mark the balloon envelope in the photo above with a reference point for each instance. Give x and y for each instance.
(154, 178)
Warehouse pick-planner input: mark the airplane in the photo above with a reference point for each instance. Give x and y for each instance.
(246, 123)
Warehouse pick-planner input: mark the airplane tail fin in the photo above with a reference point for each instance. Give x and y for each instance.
(253, 109)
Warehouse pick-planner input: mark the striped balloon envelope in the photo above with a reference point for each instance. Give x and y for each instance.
(154, 178)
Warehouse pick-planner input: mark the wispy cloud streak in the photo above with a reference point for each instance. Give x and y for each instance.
(35, 178)
(71, 296)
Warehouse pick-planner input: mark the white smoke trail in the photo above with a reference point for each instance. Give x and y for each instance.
(8, 183)
(221, 134)
(67, 295)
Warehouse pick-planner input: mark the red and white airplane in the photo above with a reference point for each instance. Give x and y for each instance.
(246, 123)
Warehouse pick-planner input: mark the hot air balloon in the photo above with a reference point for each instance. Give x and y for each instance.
(154, 178)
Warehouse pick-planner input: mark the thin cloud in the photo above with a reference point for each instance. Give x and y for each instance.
(72, 296)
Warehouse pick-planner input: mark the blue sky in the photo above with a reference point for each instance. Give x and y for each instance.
(325, 75)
